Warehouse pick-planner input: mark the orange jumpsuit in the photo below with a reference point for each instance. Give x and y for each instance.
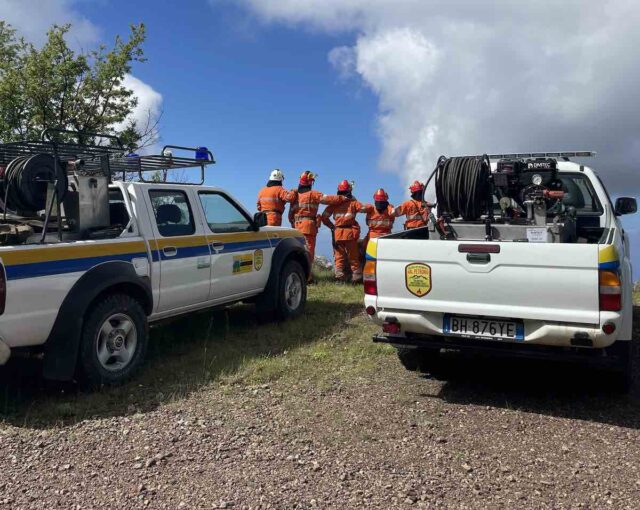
(271, 200)
(303, 214)
(379, 223)
(417, 214)
(346, 234)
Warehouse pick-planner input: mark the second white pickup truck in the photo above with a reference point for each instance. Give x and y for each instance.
(83, 283)
(537, 266)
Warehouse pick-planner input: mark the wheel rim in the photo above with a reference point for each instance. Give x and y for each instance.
(293, 291)
(116, 342)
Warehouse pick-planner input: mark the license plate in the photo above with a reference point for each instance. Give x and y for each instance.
(476, 327)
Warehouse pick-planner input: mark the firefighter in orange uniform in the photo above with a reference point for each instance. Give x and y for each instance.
(415, 211)
(303, 213)
(380, 216)
(273, 197)
(346, 232)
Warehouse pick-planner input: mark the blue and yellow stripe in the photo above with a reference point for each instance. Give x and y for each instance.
(31, 262)
(50, 260)
(608, 258)
(372, 250)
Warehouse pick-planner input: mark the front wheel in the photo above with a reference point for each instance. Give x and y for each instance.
(114, 341)
(292, 291)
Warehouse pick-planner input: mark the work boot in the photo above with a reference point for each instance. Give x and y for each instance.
(340, 276)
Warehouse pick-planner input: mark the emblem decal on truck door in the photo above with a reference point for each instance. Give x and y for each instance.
(418, 279)
(258, 259)
(242, 264)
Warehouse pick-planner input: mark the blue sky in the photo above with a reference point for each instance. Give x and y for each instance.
(258, 96)
(374, 92)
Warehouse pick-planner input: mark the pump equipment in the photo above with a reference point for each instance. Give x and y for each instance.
(513, 198)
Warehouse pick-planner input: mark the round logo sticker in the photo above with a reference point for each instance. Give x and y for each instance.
(258, 259)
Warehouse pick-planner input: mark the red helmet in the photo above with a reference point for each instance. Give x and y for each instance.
(345, 186)
(381, 196)
(307, 178)
(416, 186)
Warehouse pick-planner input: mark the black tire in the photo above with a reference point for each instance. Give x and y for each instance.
(418, 360)
(126, 317)
(289, 306)
(624, 376)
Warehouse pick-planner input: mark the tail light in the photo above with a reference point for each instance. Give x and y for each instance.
(3, 289)
(369, 278)
(610, 291)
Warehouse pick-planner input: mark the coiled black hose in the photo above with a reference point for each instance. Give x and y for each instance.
(25, 180)
(463, 187)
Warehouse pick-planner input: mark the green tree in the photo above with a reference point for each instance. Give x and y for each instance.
(55, 86)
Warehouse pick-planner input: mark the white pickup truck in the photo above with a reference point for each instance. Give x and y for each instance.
(543, 271)
(85, 298)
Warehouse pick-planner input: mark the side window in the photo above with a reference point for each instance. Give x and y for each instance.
(172, 212)
(118, 214)
(222, 215)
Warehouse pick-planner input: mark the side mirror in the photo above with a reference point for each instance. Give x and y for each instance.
(260, 219)
(625, 205)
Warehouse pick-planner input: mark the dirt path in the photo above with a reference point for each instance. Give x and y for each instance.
(337, 423)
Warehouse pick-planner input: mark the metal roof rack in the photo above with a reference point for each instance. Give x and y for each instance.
(95, 157)
(164, 161)
(560, 154)
(107, 159)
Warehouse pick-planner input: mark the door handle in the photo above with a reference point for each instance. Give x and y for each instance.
(204, 262)
(217, 247)
(478, 258)
(170, 251)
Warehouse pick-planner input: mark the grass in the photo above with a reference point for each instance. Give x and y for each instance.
(330, 342)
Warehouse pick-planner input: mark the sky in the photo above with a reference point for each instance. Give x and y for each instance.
(375, 90)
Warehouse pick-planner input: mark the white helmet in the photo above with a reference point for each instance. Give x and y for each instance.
(276, 175)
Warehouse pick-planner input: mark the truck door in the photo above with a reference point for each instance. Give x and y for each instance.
(240, 256)
(182, 249)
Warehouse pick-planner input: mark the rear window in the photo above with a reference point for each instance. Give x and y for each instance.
(579, 193)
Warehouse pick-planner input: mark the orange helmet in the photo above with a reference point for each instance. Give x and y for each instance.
(307, 178)
(381, 196)
(416, 186)
(345, 186)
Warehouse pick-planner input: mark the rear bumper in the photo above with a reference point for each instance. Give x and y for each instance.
(536, 332)
(610, 357)
(5, 352)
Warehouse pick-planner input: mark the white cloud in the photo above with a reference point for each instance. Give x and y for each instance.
(32, 19)
(149, 100)
(148, 109)
(471, 76)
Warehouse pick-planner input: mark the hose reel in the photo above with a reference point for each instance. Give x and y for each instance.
(463, 187)
(26, 179)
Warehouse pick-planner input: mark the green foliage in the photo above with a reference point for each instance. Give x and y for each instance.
(55, 86)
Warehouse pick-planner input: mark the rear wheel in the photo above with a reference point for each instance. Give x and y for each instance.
(418, 360)
(292, 291)
(114, 341)
(624, 376)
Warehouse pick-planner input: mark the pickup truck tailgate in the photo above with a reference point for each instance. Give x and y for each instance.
(556, 282)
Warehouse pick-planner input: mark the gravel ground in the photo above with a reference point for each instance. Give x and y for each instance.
(493, 434)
